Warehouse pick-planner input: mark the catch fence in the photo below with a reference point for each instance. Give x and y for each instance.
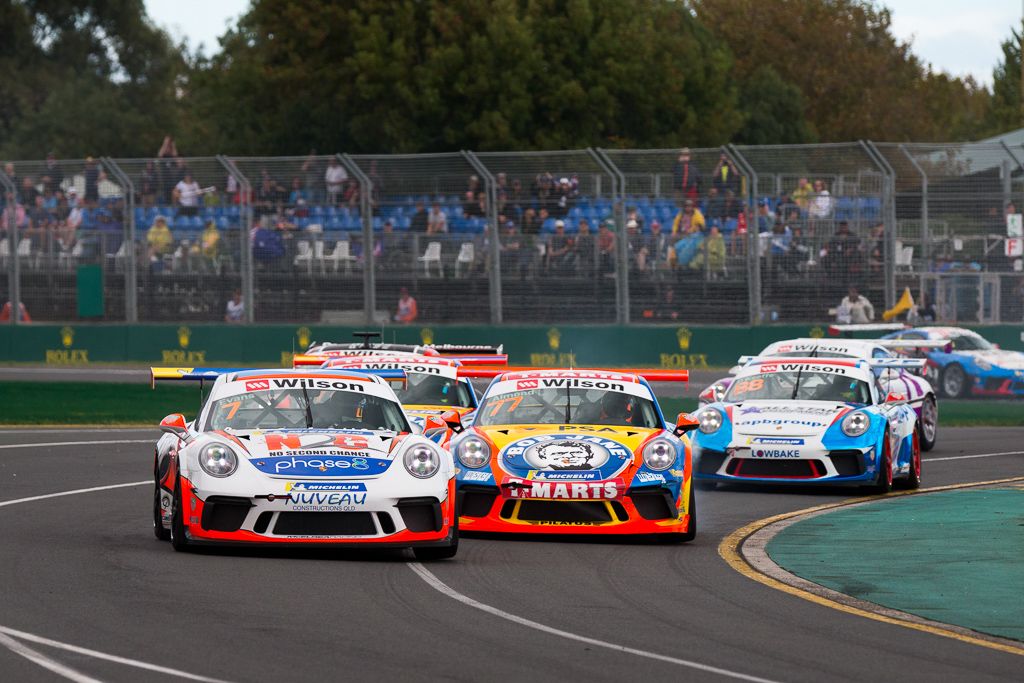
(736, 234)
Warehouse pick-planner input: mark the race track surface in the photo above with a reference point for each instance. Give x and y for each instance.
(84, 570)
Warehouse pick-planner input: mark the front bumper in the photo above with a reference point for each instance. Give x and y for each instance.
(847, 466)
(223, 517)
(643, 510)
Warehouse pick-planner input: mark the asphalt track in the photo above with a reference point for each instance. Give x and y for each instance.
(84, 572)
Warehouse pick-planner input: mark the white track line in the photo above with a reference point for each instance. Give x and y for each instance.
(971, 457)
(72, 443)
(104, 656)
(5, 503)
(7, 635)
(45, 662)
(445, 589)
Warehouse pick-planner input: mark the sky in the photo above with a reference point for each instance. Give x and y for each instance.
(960, 37)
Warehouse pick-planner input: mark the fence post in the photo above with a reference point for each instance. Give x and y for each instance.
(131, 289)
(926, 232)
(369, 259)
(753, 236)
(889, 202)
(246, 263)
(13, 276)
(622, 239)
(494, 246)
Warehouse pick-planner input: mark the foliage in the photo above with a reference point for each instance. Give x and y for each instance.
(1006, 112)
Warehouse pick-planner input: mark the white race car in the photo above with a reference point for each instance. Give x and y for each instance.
(305, 457)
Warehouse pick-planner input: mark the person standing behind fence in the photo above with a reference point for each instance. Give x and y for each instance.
(186, 194)
(854, 309)
(820, 208)
(437, 222)
(335, 178)
(234, 312)
(407, 311)
(686, 178)
(801, 196)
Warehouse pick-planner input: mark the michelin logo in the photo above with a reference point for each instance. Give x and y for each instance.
(650, 478)
(477, 476)
(776, 441)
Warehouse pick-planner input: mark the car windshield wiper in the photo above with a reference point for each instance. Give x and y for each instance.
(309, 409)
(568, 401)
(796, 385)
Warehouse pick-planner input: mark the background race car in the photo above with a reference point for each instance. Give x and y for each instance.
(809, 420)
(301, 457)
(575, 451)
(969, 365)
(904, 380)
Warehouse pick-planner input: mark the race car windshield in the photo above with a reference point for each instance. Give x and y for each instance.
(968, 342)
(288, 409)
(811, 386)
(817, 354)
(431, 390)
(585, 407)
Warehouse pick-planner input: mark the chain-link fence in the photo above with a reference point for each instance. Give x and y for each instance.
(755, 234)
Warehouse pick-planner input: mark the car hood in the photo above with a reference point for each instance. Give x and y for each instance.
(1000, 358)
(318, 453)
(589, 452)
(785, 418)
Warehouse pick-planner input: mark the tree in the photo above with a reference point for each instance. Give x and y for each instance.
(438, 75)
(773, 110)
(1006, 112)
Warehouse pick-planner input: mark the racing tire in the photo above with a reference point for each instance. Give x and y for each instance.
(159, 531)
(178, 540)
(913, 480)
(954, 382)
(929, 423)
(430, 554)
(883, 484)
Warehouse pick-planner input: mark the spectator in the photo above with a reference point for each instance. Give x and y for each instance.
(685, 248)
(654, 247)
(159, 239)
(437, 223)
(923, 312)
(711, 252)
(28, 194)
(820, 208)
(543, 190)
(564, 198)
(714, 207)
(667, 308)
(234, 313)
(298, 192)
(606, 248)
(688, 219)
(23, 316)
(531, 223)
(801, 196)
(686, 177)
(854, 308)
(209, 242)
(335, 179)
(52, 176)
(148, 184)
(407, 311)
(186, 193)
(585, 247)
(93, 175)
(633, 215)
(725, 176)
(13, 208)
(779, 247)
(267, 243)
(842, 255)
(732, 209)
(420, 221)
(268, 195)
(561, 256)
(513, 251)
(876, 248)
(515, 198)
(765, 216)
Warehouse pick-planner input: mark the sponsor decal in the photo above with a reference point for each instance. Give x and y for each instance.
(576, 453)
(677, 473)
(326, 486)
(183, 355)
(527, 384)
(806, 367)
(545, 475)
(779, 421)
(517, 487)
(477, 476)
(649, 477)
(774, 453)
(325, 502)
(769, 368)
(683, 336)
(553, 360)
(67, 355)
(321, 465)
(290, 442)
(681, 361)
(257, 385)
(788, 410)
(776, 441)
(312, 383)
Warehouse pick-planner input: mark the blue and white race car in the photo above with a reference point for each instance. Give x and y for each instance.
(969, 365)
(810, 421)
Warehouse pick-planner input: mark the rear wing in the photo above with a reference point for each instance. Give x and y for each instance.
(649, 374)
(896, 363)
(307, 359)
(914, 343)
(209, 374)
(836, 330)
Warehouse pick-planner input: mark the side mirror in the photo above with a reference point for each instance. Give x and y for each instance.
(434, 422)
(175, 424)
(894, 398)
(685, 423)
(452, 420)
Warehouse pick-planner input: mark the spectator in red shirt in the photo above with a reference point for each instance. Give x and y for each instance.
(407, 311)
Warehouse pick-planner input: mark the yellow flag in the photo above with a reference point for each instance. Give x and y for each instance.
(905, 303)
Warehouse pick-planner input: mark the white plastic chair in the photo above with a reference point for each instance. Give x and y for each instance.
(318, 254)
(304, 256)
(67, 259)
(432, 256)
(904, 257)
(342, 254)
(465, 259)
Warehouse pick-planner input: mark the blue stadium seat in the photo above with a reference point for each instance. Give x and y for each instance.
(730, 225)
(316, 210)
(333, 223)
(223, 223)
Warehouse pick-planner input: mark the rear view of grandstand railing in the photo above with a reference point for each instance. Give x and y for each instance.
(722, 235)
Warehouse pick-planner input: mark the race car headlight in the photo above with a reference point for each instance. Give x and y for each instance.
(710, 420)
(659, 455)
(218, 460)
(473, 452)
(856, 424)
(422, 461)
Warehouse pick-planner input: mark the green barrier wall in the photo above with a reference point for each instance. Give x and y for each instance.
(690, 347)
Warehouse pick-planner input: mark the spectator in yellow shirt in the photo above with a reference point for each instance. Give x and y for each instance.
(688, 220)
(801, 196)
(159, 238)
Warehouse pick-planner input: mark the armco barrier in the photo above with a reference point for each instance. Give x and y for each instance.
(677, 346)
